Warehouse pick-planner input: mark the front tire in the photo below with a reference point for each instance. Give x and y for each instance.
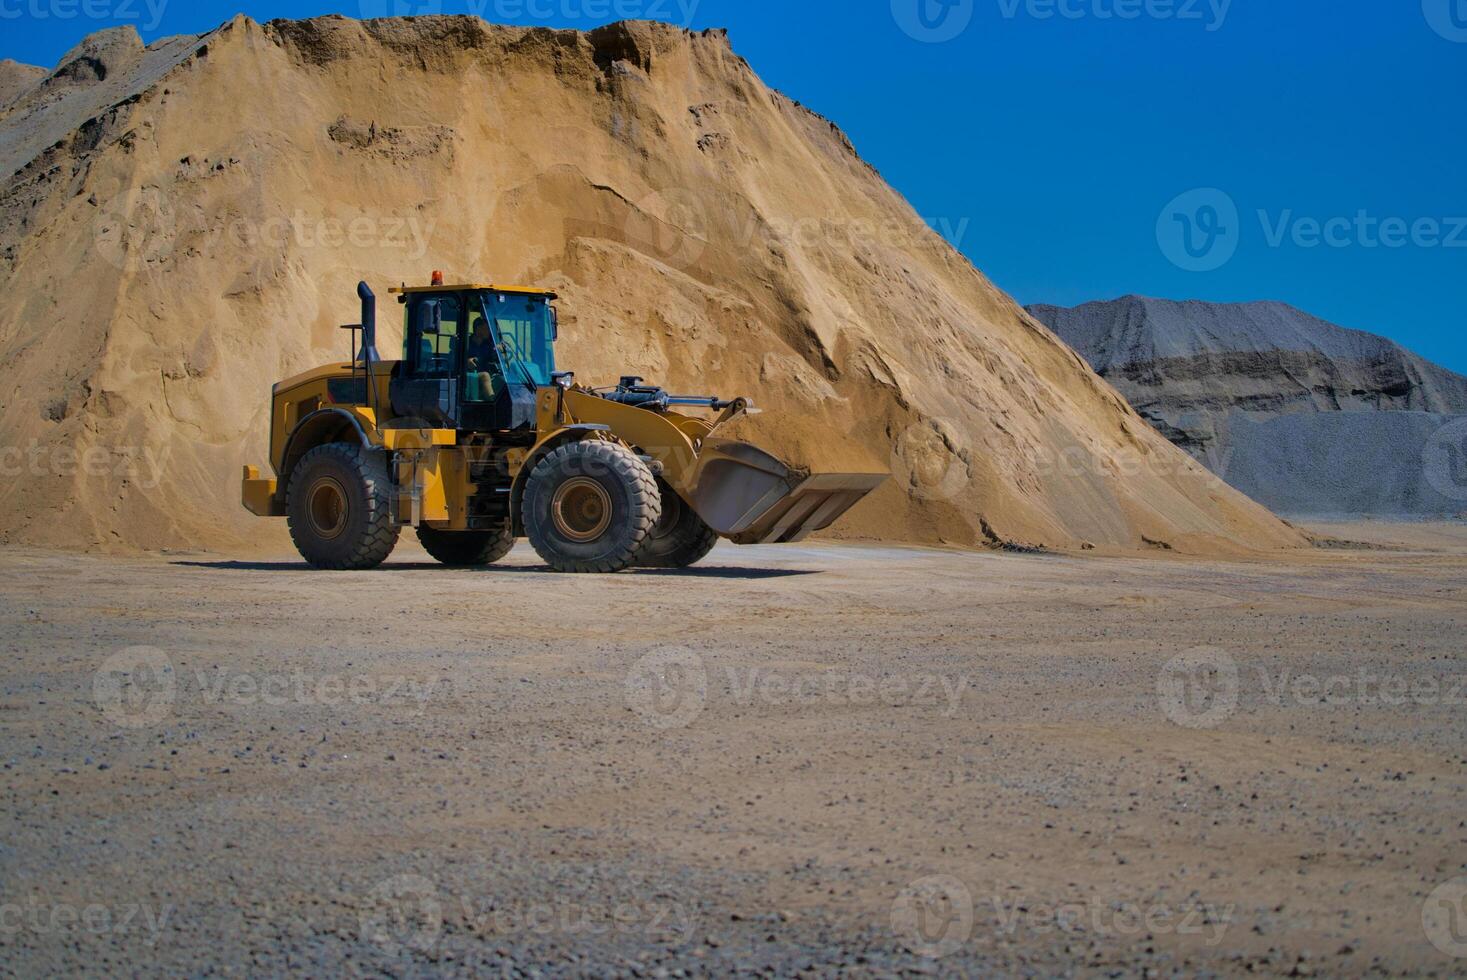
(466, 549)
(680, 538)
(339, 508)
(590, 507)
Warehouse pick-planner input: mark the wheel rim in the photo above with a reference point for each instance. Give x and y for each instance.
(581, 509)
(327, 507)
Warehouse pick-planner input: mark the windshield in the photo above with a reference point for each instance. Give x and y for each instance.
(524, 330)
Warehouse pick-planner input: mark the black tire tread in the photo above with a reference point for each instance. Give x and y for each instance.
(466, 549)
(687, 543)
(371, 548)
(646, 505)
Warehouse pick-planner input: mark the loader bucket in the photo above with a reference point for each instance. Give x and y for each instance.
(750, 497)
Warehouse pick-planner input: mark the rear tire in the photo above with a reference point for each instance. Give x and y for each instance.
(339, 508)
(466, 549)
(589, 507)
(681, 538)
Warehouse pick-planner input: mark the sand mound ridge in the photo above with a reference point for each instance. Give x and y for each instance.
(182, 225)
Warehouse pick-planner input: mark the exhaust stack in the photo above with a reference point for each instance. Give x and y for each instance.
(369, 323)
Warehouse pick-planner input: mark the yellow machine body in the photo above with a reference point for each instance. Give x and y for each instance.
(440, 474)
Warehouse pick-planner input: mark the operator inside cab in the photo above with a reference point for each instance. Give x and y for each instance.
(481, 359)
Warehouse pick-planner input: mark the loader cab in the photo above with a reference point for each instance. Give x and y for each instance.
(474, 356)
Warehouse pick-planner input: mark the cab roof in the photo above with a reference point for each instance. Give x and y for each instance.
(475, 287)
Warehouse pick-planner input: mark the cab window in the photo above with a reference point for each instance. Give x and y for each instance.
(431, 339)
(525, 330)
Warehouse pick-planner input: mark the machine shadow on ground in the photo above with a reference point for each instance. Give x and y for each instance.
(712, 571)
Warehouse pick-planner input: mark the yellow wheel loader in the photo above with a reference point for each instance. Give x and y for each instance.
(474, 439)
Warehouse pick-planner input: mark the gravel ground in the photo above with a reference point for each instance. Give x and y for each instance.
(814, 759)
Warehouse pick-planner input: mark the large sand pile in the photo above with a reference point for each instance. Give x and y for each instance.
(183, 225)
(1306, 417)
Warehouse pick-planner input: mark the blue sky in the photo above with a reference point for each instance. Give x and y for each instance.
(1311, 151)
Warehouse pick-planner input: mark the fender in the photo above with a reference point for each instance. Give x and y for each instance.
(317, 429)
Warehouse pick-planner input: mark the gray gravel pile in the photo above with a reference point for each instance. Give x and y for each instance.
(1343, 464)
(43, 109)
(1306, 417)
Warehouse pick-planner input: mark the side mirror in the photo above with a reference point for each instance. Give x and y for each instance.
(554, 324)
